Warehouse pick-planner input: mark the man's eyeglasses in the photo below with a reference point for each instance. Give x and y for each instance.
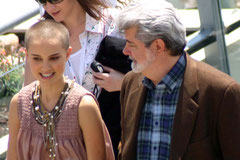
(44, 2)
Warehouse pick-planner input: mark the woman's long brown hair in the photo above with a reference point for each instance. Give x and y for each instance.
(93, 7)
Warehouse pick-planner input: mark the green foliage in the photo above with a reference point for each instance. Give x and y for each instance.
(12, 82)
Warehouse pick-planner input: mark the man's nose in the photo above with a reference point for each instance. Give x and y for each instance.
(126, 51)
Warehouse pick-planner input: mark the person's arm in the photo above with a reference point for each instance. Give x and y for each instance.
(14, 125)
(28, 77)
(91, 123)
(111, 81)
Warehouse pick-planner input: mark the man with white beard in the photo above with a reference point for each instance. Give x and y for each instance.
(173, 107)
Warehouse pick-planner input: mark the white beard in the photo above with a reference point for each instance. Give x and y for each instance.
(137, 68)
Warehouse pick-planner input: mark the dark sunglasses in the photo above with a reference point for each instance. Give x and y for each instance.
(43, 2)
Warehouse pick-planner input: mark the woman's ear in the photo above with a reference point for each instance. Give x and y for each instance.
(26, 53)
(23, 49)
(69, 51)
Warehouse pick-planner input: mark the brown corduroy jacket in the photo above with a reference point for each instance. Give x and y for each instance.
(207, 120)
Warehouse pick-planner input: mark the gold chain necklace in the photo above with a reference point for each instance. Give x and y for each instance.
(49, 119)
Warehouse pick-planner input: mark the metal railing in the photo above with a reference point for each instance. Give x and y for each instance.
(13, 69)
(207, 37)
(19, 12)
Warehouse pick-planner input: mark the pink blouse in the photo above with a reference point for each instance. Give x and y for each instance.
(70, 142)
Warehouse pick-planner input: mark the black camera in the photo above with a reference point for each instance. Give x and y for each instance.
(97, 67)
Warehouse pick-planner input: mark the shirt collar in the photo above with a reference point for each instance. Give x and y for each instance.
(171, 79)
(93, 25)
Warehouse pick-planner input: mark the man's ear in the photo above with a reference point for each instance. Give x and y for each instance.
(159, 46)
(69, 51)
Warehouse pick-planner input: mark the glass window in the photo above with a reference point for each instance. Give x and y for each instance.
(231, 20)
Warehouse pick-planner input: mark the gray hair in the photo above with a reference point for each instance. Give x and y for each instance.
(155, 19)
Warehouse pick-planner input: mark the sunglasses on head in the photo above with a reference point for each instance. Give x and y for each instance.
(44, 2)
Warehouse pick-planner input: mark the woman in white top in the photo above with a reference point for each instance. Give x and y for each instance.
(88, 22)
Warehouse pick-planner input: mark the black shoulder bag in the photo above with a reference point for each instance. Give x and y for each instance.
(110, 54)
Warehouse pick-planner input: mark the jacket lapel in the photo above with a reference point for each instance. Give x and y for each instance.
(186, 111)
(138, 97)
(136, 100)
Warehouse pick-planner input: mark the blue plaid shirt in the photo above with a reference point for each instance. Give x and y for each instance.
(155, 130)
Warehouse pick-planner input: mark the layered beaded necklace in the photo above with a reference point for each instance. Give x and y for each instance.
(49, 119)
